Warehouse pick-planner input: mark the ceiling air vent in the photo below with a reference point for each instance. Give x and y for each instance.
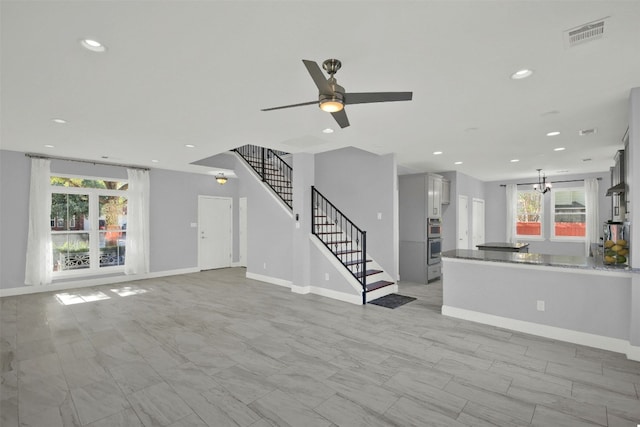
(585, 33)
(584, 132)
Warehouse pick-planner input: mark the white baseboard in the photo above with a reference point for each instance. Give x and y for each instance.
(303, 290)
(95, 281)
(340, 296)
(237, 264)
(268, 279)
(633, 353)
(576, 337)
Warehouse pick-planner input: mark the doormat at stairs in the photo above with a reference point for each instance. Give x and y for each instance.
(392, 300)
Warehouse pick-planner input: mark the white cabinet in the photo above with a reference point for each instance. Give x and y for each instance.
(446, 192)
(434, 196)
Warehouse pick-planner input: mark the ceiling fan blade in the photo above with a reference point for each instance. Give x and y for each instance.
(318, 77)
(366, 97)
(290, 106)
(341, 118)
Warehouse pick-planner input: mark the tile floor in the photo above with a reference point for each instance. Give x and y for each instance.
(217, 349)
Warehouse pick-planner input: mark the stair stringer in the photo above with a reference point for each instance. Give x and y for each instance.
(350, 289)
(268, 189)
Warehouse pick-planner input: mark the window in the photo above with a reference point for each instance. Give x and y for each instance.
(88, 224)
(530, 212)
(569, 214)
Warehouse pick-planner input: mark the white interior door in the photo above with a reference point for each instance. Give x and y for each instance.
(463, 223)
(477, 223)
(215, 229)
(243, 230)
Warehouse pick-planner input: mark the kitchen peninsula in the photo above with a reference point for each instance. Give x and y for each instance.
(569, 298)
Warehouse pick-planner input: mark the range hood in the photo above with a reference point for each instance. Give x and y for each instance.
(616, 189)
(617, 175)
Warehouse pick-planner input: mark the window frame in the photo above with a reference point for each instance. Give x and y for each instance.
(552, 213)
(539, 237)
(94, 230)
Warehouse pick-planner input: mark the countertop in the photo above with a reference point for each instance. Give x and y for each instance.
(566, 261)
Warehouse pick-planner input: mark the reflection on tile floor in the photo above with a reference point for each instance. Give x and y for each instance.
(217, 349)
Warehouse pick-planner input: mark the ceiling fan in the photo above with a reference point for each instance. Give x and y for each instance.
(332, 98)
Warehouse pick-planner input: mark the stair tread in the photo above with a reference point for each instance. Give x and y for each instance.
(377, 285)
(368, 273)
(354, 262)
(328, 232)
(347, 251)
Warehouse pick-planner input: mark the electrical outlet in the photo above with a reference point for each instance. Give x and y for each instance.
(540, 305)
(379, 215)
(264, 266)
(326, 276)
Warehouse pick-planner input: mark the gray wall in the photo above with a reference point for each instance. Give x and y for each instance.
(270, 228)
(634, 211)
(15, 171)
(173, 207)
(574, 299)
(496, 213)
(361, 185)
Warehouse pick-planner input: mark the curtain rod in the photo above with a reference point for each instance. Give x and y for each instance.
(568, 180)
(93, 162)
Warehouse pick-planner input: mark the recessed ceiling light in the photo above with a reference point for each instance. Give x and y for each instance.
(59, 121)
(189, 145)
(554, 133)
(521, 74)
(437, 153)
(327, 130)
(92, 45)
(49, 146)
(457, 163)
(514, 160)
(559, 149)
(155, 161)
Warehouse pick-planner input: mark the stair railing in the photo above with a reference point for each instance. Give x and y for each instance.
(331, 226)
(271, 169)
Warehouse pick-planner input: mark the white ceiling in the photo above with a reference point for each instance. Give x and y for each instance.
(199, 72)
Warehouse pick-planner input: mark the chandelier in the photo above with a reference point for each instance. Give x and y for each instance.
(542, 186)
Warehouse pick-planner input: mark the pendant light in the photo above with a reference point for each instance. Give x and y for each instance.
(542, 186)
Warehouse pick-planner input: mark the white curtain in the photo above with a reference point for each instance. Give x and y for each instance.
(512, 212)
(39, 265)
(591, 204)
(137, 243)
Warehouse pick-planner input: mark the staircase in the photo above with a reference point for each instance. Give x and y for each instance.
(271, 169)
(347, 242)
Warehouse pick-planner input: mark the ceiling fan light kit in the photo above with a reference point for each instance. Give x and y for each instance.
(332, 97)
(331, 104)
